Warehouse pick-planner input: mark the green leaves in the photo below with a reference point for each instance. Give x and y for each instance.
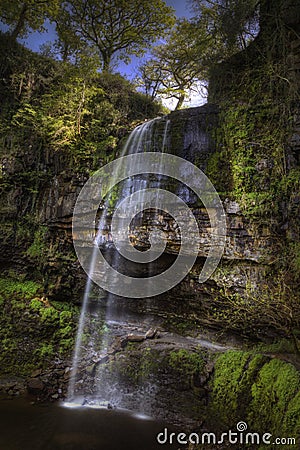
(24, 15)
(117, 29)
(174, 69)
(230, 24)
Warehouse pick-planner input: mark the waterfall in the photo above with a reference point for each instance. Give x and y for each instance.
(93, 345)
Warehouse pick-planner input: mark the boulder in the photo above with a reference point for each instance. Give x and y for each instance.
(35, 386)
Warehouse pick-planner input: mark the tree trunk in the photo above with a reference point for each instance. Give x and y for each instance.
(20, 24)
(65, 52)
(106, 61)
(180, 102)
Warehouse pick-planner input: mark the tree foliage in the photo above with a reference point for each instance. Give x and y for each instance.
(64, 108)
(230, 24)
(24, 15)
(175, 67)
(116, 28)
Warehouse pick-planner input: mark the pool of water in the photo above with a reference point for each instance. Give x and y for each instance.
(26, 426)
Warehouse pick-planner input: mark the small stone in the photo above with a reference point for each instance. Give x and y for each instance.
(135, 337)
(102, 360)
(36, 373)
(232, 207)
(35, 385)
(209, 367)
(55, 396)
(90, 370)
(150, 333)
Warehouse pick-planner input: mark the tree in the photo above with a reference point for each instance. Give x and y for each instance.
(233, 23)
(23, 15)
(117, 28)
(175, 67)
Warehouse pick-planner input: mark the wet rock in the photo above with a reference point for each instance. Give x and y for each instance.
(136, 337)
(102, 360)
(118, 345)
(35, 386)
(231, 207)
(12, 386)
(210, 367)
(90, 370)
(151, 333)
(36, 373)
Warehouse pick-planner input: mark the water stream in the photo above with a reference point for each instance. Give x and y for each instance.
(102, 319)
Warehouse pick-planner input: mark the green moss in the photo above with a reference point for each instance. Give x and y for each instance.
(219, 171)
(35, 304)
(139, 365)
(149, 363)
(277, 385)
(50, 315)
(25, 289)
(185, 362)
(45, 350)
(38, 246)
(291, 420)
(188, 365)
(279, 346)
(32, 330)
(234, 375)
(262, 392)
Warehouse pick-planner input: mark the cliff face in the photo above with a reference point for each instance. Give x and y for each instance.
(251, 244)
(58, 124)
(248, 146)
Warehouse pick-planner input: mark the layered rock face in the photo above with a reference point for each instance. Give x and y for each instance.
(249, 247)
(251, 244)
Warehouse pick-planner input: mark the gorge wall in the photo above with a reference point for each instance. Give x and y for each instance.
(251, 245)
(249, 148)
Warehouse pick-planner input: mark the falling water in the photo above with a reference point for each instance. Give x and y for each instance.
(142, 139)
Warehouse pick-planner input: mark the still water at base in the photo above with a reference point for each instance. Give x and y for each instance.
(52, 427)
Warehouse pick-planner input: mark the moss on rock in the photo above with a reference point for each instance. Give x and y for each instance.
(33, 332)
(262, 392)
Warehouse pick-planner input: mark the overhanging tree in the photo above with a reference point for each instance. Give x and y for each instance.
(176, 68)
(25, 15)
(117, 28)
(232, 24)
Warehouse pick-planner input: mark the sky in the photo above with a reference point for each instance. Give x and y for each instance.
(35, 40)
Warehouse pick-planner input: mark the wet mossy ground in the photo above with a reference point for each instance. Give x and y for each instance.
(33, 331)
(264, 392)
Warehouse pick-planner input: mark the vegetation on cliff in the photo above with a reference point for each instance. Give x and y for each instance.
(61, 120)
(257, 162)
(57, 121)
(261, 391)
